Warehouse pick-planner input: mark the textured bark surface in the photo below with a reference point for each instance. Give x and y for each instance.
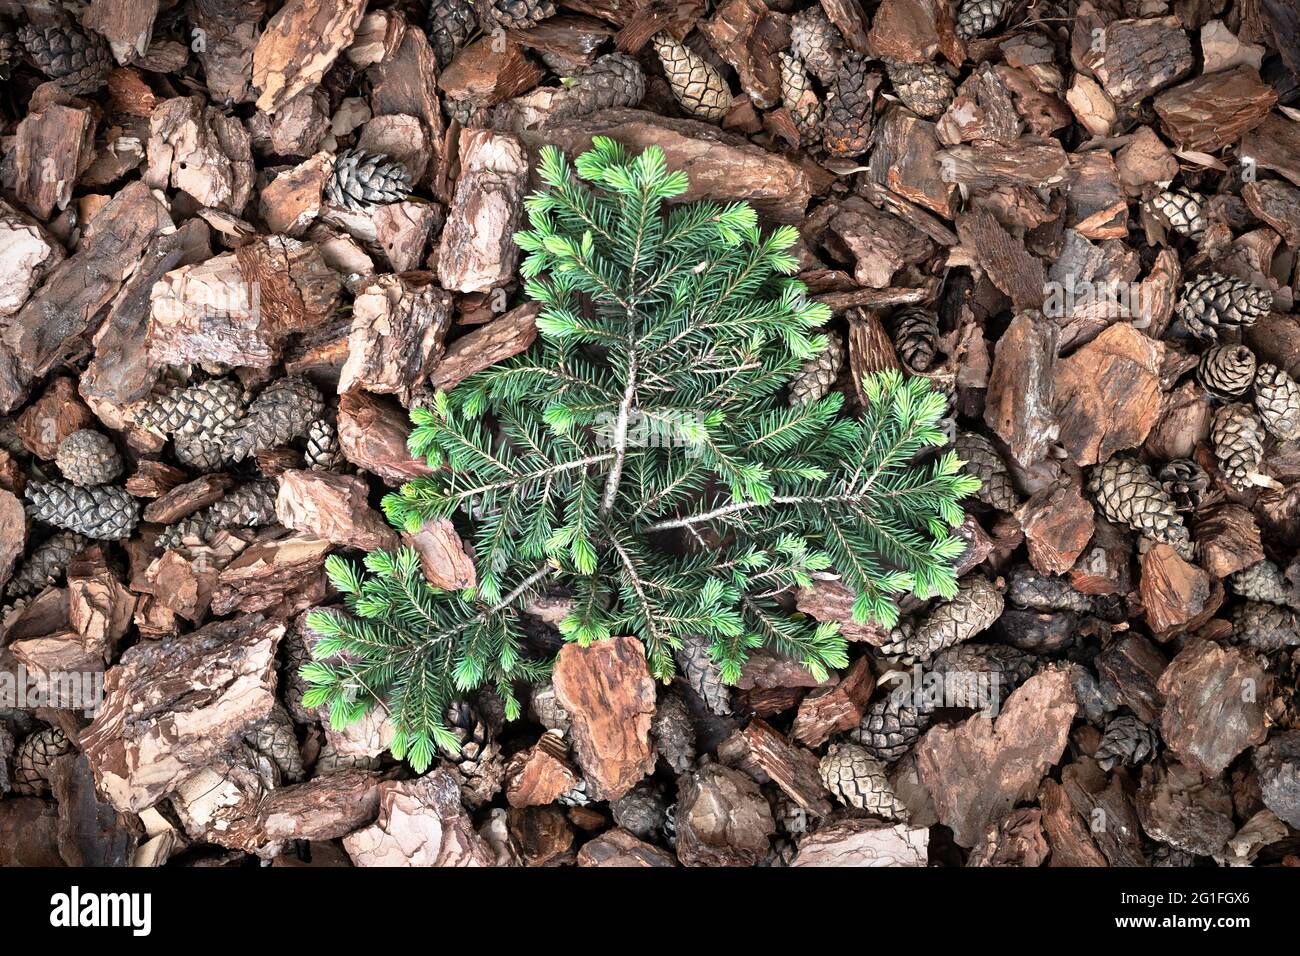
(421, 823)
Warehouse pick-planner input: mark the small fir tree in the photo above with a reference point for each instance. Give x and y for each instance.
(642, 455)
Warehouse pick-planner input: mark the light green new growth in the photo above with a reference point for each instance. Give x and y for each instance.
(642, 455)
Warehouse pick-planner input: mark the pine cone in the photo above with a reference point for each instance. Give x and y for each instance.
(1238, 439)
(798, 96)
(1028, 589)
(577, 797)
(451, 23)
(670, 826)
(47, 563)
(33, 758)
(77, 60)
(211, 408)
(1277, 396)
(977, 17)
(812, 382)
(699, 88)
(1212, 302)
(1263, 581)
(642, 810)
(275, 738)
(985, 463)
(858, 780)
(202, 452)
(791, 819)
(891, 725)
(1226, 371)
(467, 114)
(702, 674)
(1266, 627)
(674, 732)
(816, 42)
(105, 512)
(479, 764)
(1127, 741)
(331, 761)
(924, 88)
(8, 51)
(295, 654)
(1181, 208)
(546, 708)
(614, 80)
(285, 409)
(519, 14)
(251, 505)
(1127, 493)
(1185, 482)
(848, 119)
(916, 337)
(88, 458)
(969, 669)
(361, 181)
(975, 607)
(322, 452)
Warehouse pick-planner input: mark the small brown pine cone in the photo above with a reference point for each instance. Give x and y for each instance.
(518, 14)
(251, 505)
(972, 671)
(916, 337)
(1128, 494)
(924, 88)
(614, 80)
(699, 88)
(891, 725)
(1266, 627)
(1238, 440)
(1127, 742)
(702, 674)
(642, 810)
(77, 60)
(47, 563)
(33, 758)
(983, 461)
(977, 17)
(275, 738)
(814, 380)
(1263, 581)
(975, 607)
(88, 458)
(1277, 396)
(1185, 482)
(451, 24)
(331, 761)
(1181, 209)
(798, 96)
(1027, 588)
(1226, 371)
(848, 117)
(816, 42)
(285, 409)
(858, 780)
(1213, 302)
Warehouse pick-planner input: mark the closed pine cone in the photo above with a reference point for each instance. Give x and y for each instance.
(88, 458)
(698, 87)
(251, 505)
(614, 80)
(33, 758)
(1213, 302)
(916, 337)
(1238, 439)
(983, 461)
(361, 181)
(104, 512)
(1277, 396)
(1128, 494)
(1185, 482)
(519, 14)
(848, 118)
(47, 563)
(816, 42)
(77, 60)
(451, 23)
(285, 409)
(812, 382)
(478, 764)
(322, 452)
(674, 732)
(275, 738)
(977, 17)
(798, 96)
(642, 810)
(1127, 742)
(891, 725)
(331, 761)
(702, 674)
(924, 88)
(858, 780)
(1039, 592)
(1266, 627)
(1181, 208)
(975, 607)
(211, 408)
(1263, 581)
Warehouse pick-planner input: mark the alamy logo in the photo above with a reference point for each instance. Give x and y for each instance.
(76, 909)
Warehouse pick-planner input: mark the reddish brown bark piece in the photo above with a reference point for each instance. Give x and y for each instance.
(766, 755)
(1108, 394)
(540, 774)
(905, 160)
(279, 574)
(907, 30)
(1058, 523)
(849, 19)
(977, 771)
(1097, 207)
(55, 146)
(1227, 540)
(822, 714)
(495, 342)
(864, 843)
(171, 706)
(723, 819)
(607, 691)
(51, 418)
(442, 555)
(543, 835)
(127, 25)
(1278, 205)
(1185, 416)
(618, 847)
(489, 72)
(299, 45)
(398, 326)
(372, 434)
(13, 534)
(1214, 705)
(1020, 387)
(1139, 57)
(421, 823)
(153, 479)
(1175, 594)
(1015, 840)
(870, 348)
(291, 202)
(721, 167)
(333, 507)
(29, 832)
(1067, 833)
(575, 39)
(747, 37)
(1275, 145)
(1213, 110)
(878, 243)
(832, 601)
(1132, 666)
(1029, 162)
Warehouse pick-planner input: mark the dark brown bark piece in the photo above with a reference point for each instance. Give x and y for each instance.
(54, 147)
(488, 72)
(1214, 705)
(766, 755)
(1058, 523)
(90, 831)
(51, 418)
(822, 714)
(618, 847)
(1180, 807)
(1129, 671)
(723, 819)
(1227, 539)
(187, 498)
(372, 434)
(1139, 57)
(1019, 403)
(1009, 266)
(1176, 594)
(1213, 110)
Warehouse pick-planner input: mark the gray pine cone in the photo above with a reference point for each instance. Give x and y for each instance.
(1266, 627)
(1127, 741)
(702, 674)
(1226, 371)
(916, 337)
(1212, 302)
(1181, 209)
(478, 764)
(77, 60)
(858, 780)
(642, 810)
(322, 452)
(1028, 589)
(975, 607)
(105, 512)
(614, 80)
(674, 732)
(276, 739)
(1127, 493)
(331, 761)
(891, 725)
(985, 463)
(451, 23)
(200, 451)
(1238, 440)
(361, 181)
(977, 17)
(211, 408)
(33, 758)
(519, 14)
(1263, 581)
(812, 382)
(698, 87)
(799, 98)
(88, 458)
(848, 117)
(47, 563)
(1277, 396)
(924, 88)
(1185, 482)
(816, 42)
(285, 409)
